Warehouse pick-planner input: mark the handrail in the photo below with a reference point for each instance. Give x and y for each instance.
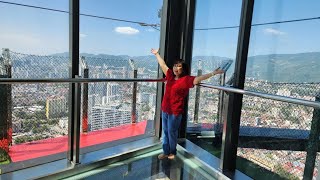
(224, 88)
(72, 80)
(263, 95)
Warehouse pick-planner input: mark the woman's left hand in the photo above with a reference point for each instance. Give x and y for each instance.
(218, 71)
(154, 51)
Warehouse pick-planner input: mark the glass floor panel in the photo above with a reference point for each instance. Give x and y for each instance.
(148, 167)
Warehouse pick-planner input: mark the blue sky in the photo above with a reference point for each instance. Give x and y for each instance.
(35, 31)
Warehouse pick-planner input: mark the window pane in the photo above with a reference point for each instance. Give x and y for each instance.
(34, 37)
(283, 60)
(215, 45)
(115, 42)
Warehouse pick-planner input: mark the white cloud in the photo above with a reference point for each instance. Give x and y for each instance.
(83, 35)
(273, 31)
(150, 30)
(126, 30)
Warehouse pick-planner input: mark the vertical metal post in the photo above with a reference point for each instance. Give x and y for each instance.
(313, 143)
(6, 103)
(233, 112)
(9, 104)
(186, 46)
(76, 125)
(134, 93)
(74, 94)
(162, 49)
(197, 100)
(85, 101)
(177, 19)
(134, 98)
(218, 124)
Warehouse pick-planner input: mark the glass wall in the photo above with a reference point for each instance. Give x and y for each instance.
(115, 42)
(215, 44)
(283, 60)
(32, 116)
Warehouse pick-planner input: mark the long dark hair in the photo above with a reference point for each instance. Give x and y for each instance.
(185, 67)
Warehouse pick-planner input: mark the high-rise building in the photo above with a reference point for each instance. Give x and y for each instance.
(106, 117)
(56, 106)
(143, 97)
(103, 89)
(152, 100)
(112, 92)
(147, 98)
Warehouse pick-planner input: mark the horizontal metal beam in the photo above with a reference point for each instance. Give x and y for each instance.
(72, 80)
(263, 95)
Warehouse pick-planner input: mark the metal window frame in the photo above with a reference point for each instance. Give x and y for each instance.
(313, 143)
(233, 110)
(74, 89)
(160, 86)
(176, 41)
(186, 52)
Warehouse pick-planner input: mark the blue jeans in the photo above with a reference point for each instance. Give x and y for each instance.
(170, 127)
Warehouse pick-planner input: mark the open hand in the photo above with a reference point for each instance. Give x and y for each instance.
(154, 51)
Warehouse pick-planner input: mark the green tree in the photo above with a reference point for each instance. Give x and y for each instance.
(21, 114)
(29, 124)
(40, 114)
(41, 129)
(41, 103)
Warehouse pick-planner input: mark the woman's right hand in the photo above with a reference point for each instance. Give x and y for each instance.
(154, 51)
(218, 71)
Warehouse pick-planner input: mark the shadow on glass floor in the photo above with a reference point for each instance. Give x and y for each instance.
(148, 167)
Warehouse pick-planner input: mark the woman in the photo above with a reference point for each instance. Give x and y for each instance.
(178, 83)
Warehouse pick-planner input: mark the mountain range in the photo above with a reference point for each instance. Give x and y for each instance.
(299, 68)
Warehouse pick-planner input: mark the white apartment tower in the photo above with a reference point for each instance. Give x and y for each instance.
(106, 117)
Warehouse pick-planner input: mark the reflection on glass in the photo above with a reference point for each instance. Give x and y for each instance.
(115, 42)
(148, 166)
(33, 39)
(215, 44)
(283, 60)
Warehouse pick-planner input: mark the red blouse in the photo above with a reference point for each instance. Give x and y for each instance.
(175, 93)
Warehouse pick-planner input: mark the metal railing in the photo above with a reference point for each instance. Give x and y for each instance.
(72, 80)
(220, 79)
(263, 95)
(282, 144)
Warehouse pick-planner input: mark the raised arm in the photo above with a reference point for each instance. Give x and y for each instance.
(161, 62)
(198, 79)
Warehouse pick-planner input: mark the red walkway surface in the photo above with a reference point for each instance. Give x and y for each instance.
(35, 149)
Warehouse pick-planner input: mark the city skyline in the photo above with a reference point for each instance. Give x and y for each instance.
(283, 44)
